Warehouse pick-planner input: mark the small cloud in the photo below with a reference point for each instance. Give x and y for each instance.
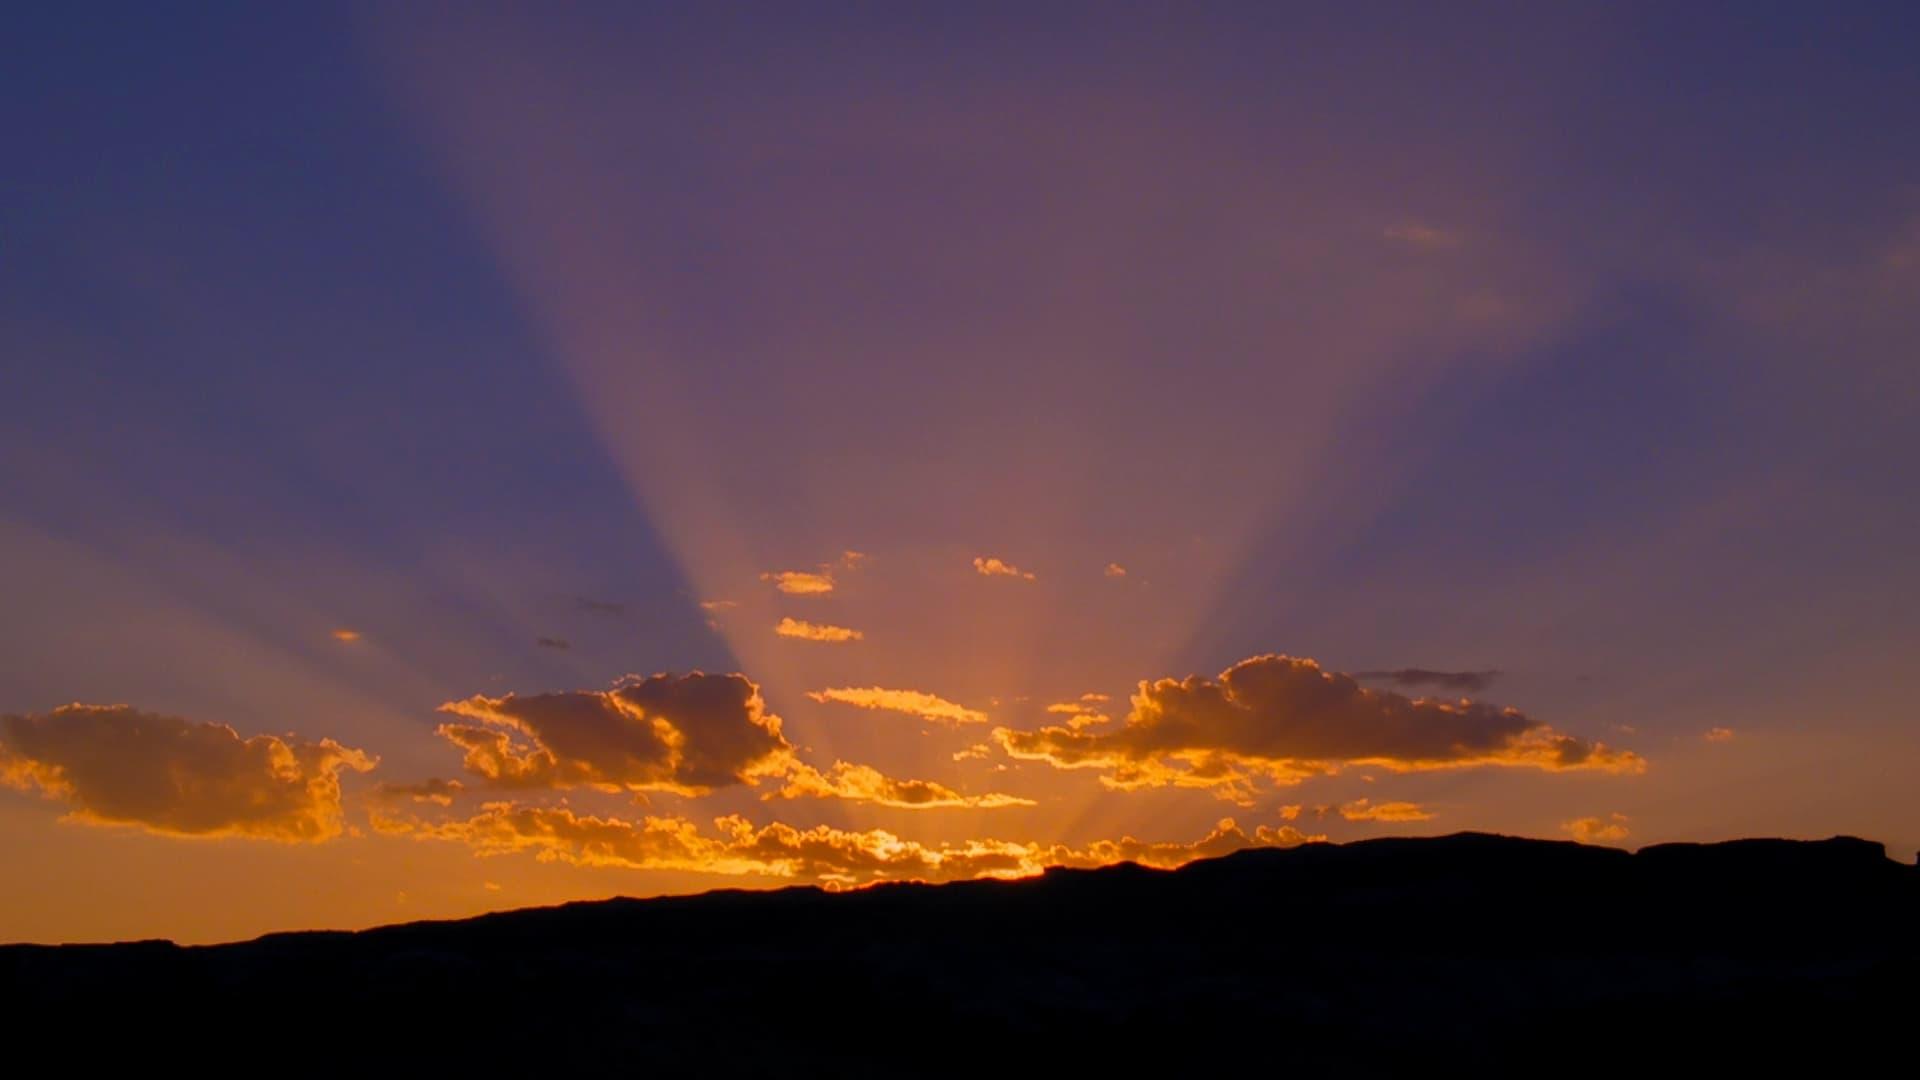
(1094, 696)
(1290, 813)
(348, 636)
(993, 567)
(490, 886)
(600, 607)
(552, 643)
(806, 631)
(977, 750)
(800, 582)
(818, 582)
(1114, 569)
(912, 702)
(1367, 810)
(1719, 734)
(1595, 830)
(1414, 234)
(718, 605)
(1468, 681)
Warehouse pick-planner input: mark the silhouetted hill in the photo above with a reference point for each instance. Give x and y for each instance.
(1456, 954)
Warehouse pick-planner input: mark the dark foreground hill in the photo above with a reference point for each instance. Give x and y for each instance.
(1438, 956)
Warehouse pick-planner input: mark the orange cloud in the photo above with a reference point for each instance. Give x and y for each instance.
(1719, 734)
(1594, 830)
(1367, 810)
(688, 734)
(437, 791)
(806, 631)
(800, 582)
(821, 853)
(118, 766)
(1285, 718)
(814, 582)
(1114, 569)
(912, 702)
(992, 567)
(348, 636)
(862, 783)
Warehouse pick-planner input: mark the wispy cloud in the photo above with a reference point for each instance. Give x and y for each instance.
(802, 630)
(822, 853)
(1368, 810)
(818, 582)
(912, 702)
(1471, 682)
(862, 783)
(800, 582)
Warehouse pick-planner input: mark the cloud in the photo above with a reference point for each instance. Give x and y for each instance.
(814, 582)
(862, 783)
(800, 582)
(912, 702)
(682, 733)
(117, 765)
(600, 607)
(821, 853)
(1719, 734)
(347, 636)
(687, 734)
(1285, 718)
(553, 643)
(1471, 682)
(992, 567)
(1595, 830)
(719, 605)
(437, 791)
(1367, 810)
(806, 631)
(1114, 569)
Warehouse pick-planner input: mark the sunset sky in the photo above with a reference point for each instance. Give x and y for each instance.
(463, 457)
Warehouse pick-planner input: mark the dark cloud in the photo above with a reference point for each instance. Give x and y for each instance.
(117, 765)
(553, 643)
(600, 607)
(1285, 718)
(686, 733)
(436, 790)
(1470, 682)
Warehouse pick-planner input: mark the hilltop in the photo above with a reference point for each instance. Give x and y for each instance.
(1382, 956)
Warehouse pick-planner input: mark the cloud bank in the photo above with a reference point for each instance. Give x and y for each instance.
(1284, 718)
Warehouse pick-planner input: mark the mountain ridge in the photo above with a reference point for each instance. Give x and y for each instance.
(1485, 949)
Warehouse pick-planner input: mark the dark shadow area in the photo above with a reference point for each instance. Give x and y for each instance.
(1462, 954)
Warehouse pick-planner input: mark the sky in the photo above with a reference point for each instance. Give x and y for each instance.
(459, 457)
